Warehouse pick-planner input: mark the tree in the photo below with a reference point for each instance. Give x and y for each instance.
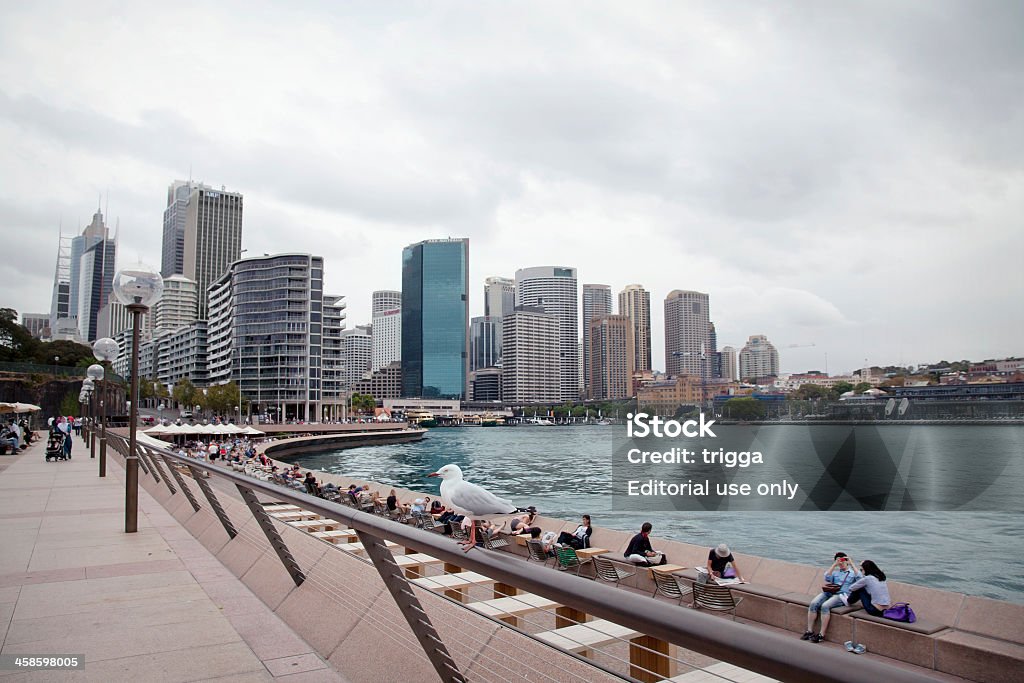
(363, 403)
(185, 394)
(69, 405)
(842, 387)
(811, 392)
(744, 408)
(16, 344)
(861, 387)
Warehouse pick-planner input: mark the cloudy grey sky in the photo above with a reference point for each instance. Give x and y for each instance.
(847, 175)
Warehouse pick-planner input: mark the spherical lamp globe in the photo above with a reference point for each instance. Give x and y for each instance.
(139, 285)
(105, 349)
(95, 372)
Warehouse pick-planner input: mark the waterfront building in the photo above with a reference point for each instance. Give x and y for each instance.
(202, 235)
(386, 307)
(93, 256)
(687, 333)
(597, 302)
(178, 305)
(435, 318)
(36, 323)
(485, 384)
(382, 383)
(611, 357)
(635, 303)
(357, 354)
(531, 339)
(553, 290)
(265, 331)
(332, 357)
(665, 396)
(484, 342)
(758, 359)
(182, 355)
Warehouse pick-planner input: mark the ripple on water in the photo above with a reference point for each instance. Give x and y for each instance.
(566, 471)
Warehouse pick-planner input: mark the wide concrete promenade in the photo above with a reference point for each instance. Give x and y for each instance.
(149, 606)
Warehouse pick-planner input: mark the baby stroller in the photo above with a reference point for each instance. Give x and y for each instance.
(55, 446)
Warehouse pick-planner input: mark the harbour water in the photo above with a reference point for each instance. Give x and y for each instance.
(566, 471)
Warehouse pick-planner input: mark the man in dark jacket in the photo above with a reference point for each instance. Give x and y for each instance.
(639, 550)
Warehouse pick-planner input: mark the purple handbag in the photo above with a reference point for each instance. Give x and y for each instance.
(900, 612)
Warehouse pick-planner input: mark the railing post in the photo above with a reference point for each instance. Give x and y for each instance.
(276, 542)
(181, 483)
(410, 607)
(211, 498)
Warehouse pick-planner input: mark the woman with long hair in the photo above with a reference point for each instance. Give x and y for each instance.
(871, 590)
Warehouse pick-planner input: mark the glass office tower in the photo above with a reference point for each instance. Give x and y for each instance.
(435, 316)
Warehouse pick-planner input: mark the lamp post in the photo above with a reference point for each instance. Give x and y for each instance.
(55, 359)
(88, 386)
(105, 350)
(160, 413)
(137, 288)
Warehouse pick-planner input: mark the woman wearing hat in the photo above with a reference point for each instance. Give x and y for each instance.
(719, 561)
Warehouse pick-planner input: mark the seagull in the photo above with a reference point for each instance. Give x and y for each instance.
(475, 502)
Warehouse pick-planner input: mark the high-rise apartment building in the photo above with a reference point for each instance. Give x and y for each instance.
(687, 334)
(332, 357)
(635, 304)
(387, 328)
(553, 290)
(597, 302)
(611, 357)
(92, 268)
(202, 235)
(357, 352)
(758, 359)
(484, 342)
(178, 305)
(730, 369)
(435, 319)
(266, 331)
(531, 339)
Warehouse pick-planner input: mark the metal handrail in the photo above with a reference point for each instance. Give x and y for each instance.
(749, 647)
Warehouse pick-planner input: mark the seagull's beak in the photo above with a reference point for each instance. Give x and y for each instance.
(433, 474)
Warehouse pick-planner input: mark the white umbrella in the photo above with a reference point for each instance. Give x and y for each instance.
(159, 429)
(144, 438)
(26, 408)
(223, 429)
(252, 431)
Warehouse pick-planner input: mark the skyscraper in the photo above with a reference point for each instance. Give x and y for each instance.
(687, 334)
(387, 328)
(60, 303)
(611, 357)
(635, 303)
(435, 317)
(758, 359)
(530, 366)
(202, 235)
(499, 300)
(357, 352)
(484, 342)
(178, 305)
(553, 290)
(266, 331)
(597, 301)
(93, 256)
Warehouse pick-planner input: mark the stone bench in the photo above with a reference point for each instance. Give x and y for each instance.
(510, 608)
(582, 638)
(455, 586)
(315, 524)
(336, 535)
(294, 516)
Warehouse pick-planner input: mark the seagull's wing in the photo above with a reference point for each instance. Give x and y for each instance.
(478, 501)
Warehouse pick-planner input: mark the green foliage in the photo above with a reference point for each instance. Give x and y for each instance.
(841, 388)
(69, 405)
(185, 394)
(222, 398)
(363, 403)
(811, 392)
(861, 387)
(16, 344)
(744, 408)
(71, 354)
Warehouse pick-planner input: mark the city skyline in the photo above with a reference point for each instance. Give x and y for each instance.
(867, 206)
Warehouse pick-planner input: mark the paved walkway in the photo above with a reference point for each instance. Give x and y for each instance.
(150, 606)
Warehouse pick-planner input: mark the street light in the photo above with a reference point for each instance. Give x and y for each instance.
(95, 374)
(87, 388)
(105, 351)
(137, 288)
(160, 413)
